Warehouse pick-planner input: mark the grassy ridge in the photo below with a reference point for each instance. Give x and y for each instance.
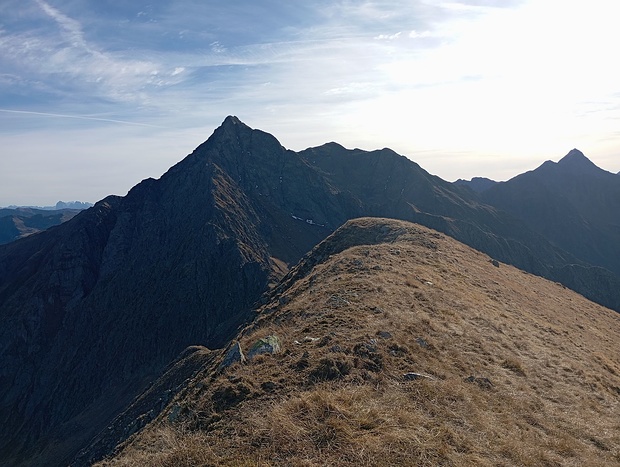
(415, 352)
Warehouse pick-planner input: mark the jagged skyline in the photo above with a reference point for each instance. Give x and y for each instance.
(97, 96)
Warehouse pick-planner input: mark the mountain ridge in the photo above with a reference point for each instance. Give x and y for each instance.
(96, 308)
(399, 345)
(478, 184)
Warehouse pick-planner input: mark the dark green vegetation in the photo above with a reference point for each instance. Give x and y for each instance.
(96, 308)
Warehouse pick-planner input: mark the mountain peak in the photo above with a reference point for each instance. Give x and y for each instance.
(231, 130)
(231, 120)
(233, 124)
(575, 153)
(576, 160)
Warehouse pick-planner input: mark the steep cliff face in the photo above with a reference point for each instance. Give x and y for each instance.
(94, 308)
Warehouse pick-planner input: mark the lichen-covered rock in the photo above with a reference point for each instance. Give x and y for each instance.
(269, 344)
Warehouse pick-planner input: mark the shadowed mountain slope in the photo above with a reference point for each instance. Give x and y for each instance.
(382, 183)
(400, 346)
(573, 203)
(95, 308)
(21, 222)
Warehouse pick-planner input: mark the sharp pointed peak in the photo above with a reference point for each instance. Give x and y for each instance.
(232, 125)
(232, 121)
(575, 160)
(575, 152)
(574, 155)
(575, 163)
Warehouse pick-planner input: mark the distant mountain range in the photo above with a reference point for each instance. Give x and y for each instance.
(94, 309)
(21, 221)
(76, 205)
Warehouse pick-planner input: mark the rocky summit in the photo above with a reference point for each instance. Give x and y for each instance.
(96, 309)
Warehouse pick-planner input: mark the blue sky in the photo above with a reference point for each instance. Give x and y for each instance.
(96, 95)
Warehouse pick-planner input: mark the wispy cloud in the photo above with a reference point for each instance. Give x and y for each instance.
(63, 55)
(477, 77)
(71, 28)
(77, 117)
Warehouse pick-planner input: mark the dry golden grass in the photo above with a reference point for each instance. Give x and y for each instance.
(520, 371)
